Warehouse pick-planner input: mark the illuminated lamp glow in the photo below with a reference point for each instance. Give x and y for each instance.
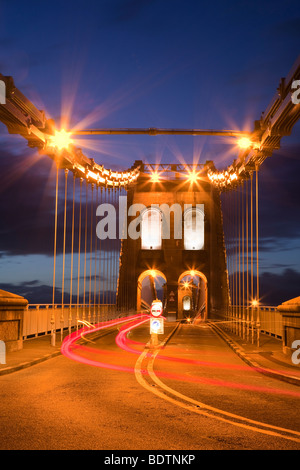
(155, 177)
(244, 142)
(193, 177)
(152, 273)
(92, 175)
(61, 140)
(192, 273)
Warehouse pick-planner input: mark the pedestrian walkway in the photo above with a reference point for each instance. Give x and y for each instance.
(268, 358)
(35, 351)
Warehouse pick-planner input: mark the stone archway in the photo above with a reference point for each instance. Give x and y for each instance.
(151, 273)
(202, 299)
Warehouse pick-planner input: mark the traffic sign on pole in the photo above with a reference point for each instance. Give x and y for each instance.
(157, 325)
(156, 308)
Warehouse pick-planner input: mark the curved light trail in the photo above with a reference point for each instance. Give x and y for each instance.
(70, 348)
(164, 391)
(70, 342)
(178, 399)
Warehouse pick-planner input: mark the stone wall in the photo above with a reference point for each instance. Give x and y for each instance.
(290, 312)
(12, 308)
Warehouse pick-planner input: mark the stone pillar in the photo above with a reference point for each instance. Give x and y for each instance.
(290, 312)
(12, 309)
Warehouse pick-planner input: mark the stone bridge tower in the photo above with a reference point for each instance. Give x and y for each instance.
(197, 251)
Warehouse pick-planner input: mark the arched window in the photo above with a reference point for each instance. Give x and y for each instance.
(194, 229)
(151, 229)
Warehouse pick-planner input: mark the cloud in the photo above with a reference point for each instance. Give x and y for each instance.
(34, 292)
(279, 195)
(37, 293)
(27, 204)
(275, 288)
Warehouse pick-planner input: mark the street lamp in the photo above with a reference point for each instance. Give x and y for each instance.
(155, 177)
(244, 142)
(60, 139)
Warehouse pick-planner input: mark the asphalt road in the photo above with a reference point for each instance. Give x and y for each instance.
(193, 394)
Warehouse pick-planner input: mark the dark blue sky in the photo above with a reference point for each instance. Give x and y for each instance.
(146, 63)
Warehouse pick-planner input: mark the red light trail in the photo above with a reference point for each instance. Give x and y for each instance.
(69, 343)
(69, 347)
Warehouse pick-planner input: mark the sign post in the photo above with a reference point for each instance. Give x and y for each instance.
(156, 321)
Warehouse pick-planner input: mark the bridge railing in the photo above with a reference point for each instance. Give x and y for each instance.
(249, 321)
(271, 321)
(38, 318)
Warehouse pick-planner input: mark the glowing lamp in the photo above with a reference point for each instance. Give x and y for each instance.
(61, 139)
(192, 273)
(193, 177)
(244, 143)
(254, 303)
(155, 178)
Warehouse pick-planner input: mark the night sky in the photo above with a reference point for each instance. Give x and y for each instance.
(146, 63)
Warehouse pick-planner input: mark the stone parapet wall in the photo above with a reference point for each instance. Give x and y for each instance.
(12, 309)
(290, 312)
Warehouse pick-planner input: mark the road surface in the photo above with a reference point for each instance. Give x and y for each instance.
(112, 392)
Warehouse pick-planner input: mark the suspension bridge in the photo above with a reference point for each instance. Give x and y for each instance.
(186, 235)
(209, 272)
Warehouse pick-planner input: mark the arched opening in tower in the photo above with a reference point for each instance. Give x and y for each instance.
(151, 286)
(192, 296)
